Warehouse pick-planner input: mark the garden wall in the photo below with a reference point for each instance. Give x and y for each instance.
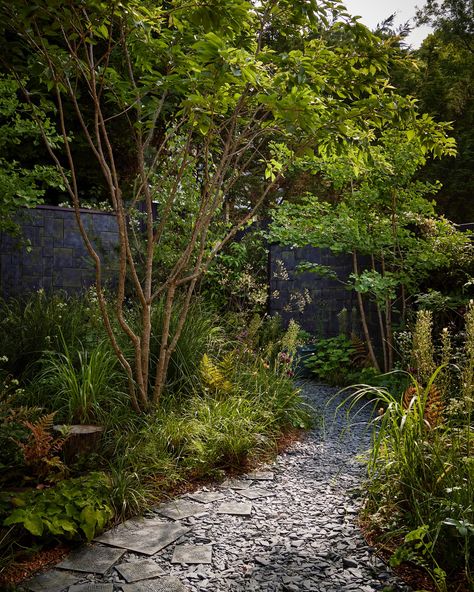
(51, 253)
(320, 305)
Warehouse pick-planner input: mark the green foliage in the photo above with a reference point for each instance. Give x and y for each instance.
(230, 420)
(128, 495)
(45, 322)
(443, 83)
(22, 186)
(201, 333)
(331, 360)
(73, 508)
(237, 278)
(421, 474)
(215, 111)
(83, 386)
(12, 428)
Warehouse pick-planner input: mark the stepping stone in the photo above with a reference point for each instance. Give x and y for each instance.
(236, 483)
(91, 587)
(92, 559)
(192, 554)
(236, 508)
(260, 476)
(140, 570)
(180, 509)
(51, 581)
(255, 493)
(167, 584)
(143, 536)
(206, 497)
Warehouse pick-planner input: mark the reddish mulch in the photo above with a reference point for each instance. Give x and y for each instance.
(20, 570)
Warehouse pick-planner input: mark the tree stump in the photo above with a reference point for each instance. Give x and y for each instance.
(81, 439)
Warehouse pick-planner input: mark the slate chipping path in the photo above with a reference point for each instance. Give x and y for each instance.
(301, 536)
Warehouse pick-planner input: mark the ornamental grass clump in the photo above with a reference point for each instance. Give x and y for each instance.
(421, 462)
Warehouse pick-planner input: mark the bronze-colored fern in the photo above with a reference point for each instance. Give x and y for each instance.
(434, 407)
(360, 357)
(40, 452)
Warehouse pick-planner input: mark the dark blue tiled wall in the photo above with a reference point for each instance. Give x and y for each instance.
(322, 306)
(51, 253)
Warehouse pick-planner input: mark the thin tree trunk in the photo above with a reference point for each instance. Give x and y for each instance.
(388, 323)
(382, 328)
(363, 318)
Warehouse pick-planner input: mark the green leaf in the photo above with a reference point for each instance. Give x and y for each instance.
(34, 524)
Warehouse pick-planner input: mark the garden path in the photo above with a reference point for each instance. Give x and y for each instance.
(290, 526)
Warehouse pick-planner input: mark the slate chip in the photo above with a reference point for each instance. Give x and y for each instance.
(166, 584)
(143, 536)
(191, 554)
(139, 570)
(92, 559)
(206, 497)
(255, 493)
(180, 509)
(52, 581)
(236, 508)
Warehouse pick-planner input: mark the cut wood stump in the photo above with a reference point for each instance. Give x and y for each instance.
(81, 439)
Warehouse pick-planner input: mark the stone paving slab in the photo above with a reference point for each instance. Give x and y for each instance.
(260, 476)
(166, 584)
(52, 581)
(190, 554)
(256, 493)
(139, 570)
(236, 508)
(91, 587)
(206, 497)
(180, 509)
(236, 483)
(143, 536)
(92, 559)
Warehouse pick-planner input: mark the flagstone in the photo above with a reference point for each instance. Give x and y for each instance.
(143, 536)
(190, 554)
(139, 570)
(51, 581)
(256, 493)
(91, 587)
(180, 509)
(236, 508)
(92, 559)
(206, 497)
(166, 584)
(260, 476)
(236, 483)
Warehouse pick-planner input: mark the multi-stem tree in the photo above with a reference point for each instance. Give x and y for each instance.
(203, 98)
(383, 213)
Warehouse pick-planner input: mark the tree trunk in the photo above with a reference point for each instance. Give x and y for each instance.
(363, 318)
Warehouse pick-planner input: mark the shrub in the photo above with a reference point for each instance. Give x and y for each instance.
(331, 360)
(73, 508)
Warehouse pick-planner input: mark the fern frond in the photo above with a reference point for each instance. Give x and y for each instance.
(213, 377)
